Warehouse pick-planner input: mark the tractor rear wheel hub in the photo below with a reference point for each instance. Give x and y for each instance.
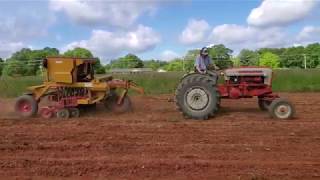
(197, 99)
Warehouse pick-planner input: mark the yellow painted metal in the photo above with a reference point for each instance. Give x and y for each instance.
(60, 70)
(83, 101)
(98, 96)
(38, 91)
(98, 88)
(63, 72)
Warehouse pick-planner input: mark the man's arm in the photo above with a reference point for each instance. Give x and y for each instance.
(212, 65)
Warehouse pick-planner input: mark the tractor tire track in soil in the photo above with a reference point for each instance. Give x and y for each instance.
(241, 142)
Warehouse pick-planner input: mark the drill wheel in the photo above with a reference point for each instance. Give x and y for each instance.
(74, 112)
(63, 113)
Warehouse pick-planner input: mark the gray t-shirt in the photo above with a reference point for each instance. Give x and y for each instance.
(202, 63)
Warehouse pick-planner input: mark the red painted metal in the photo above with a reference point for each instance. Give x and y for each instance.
(117, 83)
(65, 97)
(24, 106)
(246, 87)
(250, 71)
(234, 93)
(47, 112)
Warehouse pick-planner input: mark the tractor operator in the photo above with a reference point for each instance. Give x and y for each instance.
(204, 62)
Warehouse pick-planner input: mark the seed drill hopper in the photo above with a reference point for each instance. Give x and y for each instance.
(69, 84)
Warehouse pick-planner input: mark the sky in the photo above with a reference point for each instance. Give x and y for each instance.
(156, 29)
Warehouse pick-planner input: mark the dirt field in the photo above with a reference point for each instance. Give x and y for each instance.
(155, 142)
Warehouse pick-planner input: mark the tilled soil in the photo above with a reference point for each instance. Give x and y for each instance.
(241, 142)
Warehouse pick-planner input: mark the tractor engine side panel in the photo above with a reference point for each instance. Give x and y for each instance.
(266, 73)
(246, 82)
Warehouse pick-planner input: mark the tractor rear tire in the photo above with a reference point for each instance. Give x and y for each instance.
(263, 104)
(197, 97)
(26, 106)
(281, 109)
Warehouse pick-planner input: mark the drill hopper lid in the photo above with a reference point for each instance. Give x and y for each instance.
(78, 60)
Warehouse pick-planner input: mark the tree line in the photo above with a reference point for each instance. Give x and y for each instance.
(291, 57)
(218, 52)
(27, 62)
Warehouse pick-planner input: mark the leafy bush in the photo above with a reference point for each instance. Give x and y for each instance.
(270, 60)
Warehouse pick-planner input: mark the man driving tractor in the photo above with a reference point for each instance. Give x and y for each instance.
(203, 62)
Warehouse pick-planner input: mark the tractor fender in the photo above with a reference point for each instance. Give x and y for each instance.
(212, 76)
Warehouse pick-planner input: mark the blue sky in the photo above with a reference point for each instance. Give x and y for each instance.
(156, 29)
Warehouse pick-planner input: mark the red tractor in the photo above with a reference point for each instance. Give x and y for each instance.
(198, 95)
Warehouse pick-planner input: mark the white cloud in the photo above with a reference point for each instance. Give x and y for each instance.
(169, 55)
(115, 13)
(232, 33)
(18, 29)
(280, 12)
(309, 34)
(7, 48)
(29, 22)
(110, 44)
(237, 36)
(265, 26)
(195, 32)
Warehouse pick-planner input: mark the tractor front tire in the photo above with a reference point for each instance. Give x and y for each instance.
(197, 97)
(26, 106)
(281, 109)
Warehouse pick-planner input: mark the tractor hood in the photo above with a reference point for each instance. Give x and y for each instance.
(250, 71)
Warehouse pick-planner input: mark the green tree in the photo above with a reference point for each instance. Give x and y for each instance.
(99, 68)
(313, 55)
(128, 61)
(248, 58)
(174, 65)
(43, 53)
(15, 68)
(21, 63)
(35, 59)
(270, 60)
(78, 53)
(277, 51)
(85, 53)
(236, 61)
(188, 65)
(108, 67)
(27, 62)
(154, 64)
(221, 56)
(192, 54)
(293, 57)
(190, 58)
